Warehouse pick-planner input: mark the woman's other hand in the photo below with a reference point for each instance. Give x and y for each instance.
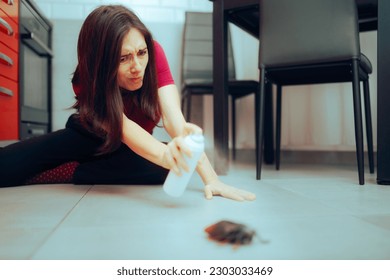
(216, 187)
(190, 128)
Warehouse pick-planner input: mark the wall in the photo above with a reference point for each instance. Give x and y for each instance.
(314, 117)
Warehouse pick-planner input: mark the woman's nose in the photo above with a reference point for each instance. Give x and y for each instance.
(135, 66)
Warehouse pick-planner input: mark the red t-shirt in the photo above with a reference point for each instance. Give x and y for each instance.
(164, 78)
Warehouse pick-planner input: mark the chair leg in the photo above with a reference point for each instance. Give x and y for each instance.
(260, 125)
(183, 101)
(269, 150)
(367, 110)
(233, 104)
(278, 125)
(358, 120)
(186, 104)
(188, 110)
(256, 117)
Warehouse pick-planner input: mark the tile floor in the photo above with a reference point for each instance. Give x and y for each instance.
(303, 212)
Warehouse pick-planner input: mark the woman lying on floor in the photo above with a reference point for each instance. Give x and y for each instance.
(123, 87)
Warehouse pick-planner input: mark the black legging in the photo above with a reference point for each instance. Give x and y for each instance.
(22, 160)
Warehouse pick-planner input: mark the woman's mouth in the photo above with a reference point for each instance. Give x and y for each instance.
(136, 80)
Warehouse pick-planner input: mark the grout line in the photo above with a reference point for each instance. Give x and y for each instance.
(58, 225)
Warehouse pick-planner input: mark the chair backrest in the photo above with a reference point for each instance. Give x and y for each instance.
(197, 55)
(307, 31)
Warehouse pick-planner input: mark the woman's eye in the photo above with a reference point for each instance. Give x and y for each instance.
(124, 58)
(143, 52)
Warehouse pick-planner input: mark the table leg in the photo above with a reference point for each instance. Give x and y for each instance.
(220, 76)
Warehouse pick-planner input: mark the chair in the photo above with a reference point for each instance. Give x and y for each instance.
(197, 66)
(309, 42)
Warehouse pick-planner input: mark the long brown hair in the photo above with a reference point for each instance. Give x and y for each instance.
(99, 101)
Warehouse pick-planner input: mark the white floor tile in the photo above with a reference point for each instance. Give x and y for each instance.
(305, 212)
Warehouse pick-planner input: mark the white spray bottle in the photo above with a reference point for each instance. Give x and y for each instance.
(175, 185)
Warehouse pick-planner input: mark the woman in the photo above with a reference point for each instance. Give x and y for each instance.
(123, 88)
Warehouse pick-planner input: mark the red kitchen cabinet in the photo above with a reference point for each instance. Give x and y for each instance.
(9, 112)
(11, 8)
(8, 62)
(9, 77)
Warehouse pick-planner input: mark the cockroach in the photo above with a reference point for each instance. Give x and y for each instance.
(230, 232)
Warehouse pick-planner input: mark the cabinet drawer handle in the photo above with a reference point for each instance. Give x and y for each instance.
(7, 26)
(6, 59)
(6, 91)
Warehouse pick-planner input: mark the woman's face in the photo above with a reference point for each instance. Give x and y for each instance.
(133, 61)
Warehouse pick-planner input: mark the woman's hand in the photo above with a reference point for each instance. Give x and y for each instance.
(216, 187)
(173, 157)
(190, 128)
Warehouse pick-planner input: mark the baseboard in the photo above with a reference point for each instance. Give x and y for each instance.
(307, 157)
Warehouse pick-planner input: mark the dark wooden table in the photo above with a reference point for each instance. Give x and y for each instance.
(373, 15)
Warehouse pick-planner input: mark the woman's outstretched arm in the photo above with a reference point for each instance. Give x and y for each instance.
(176, 126)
